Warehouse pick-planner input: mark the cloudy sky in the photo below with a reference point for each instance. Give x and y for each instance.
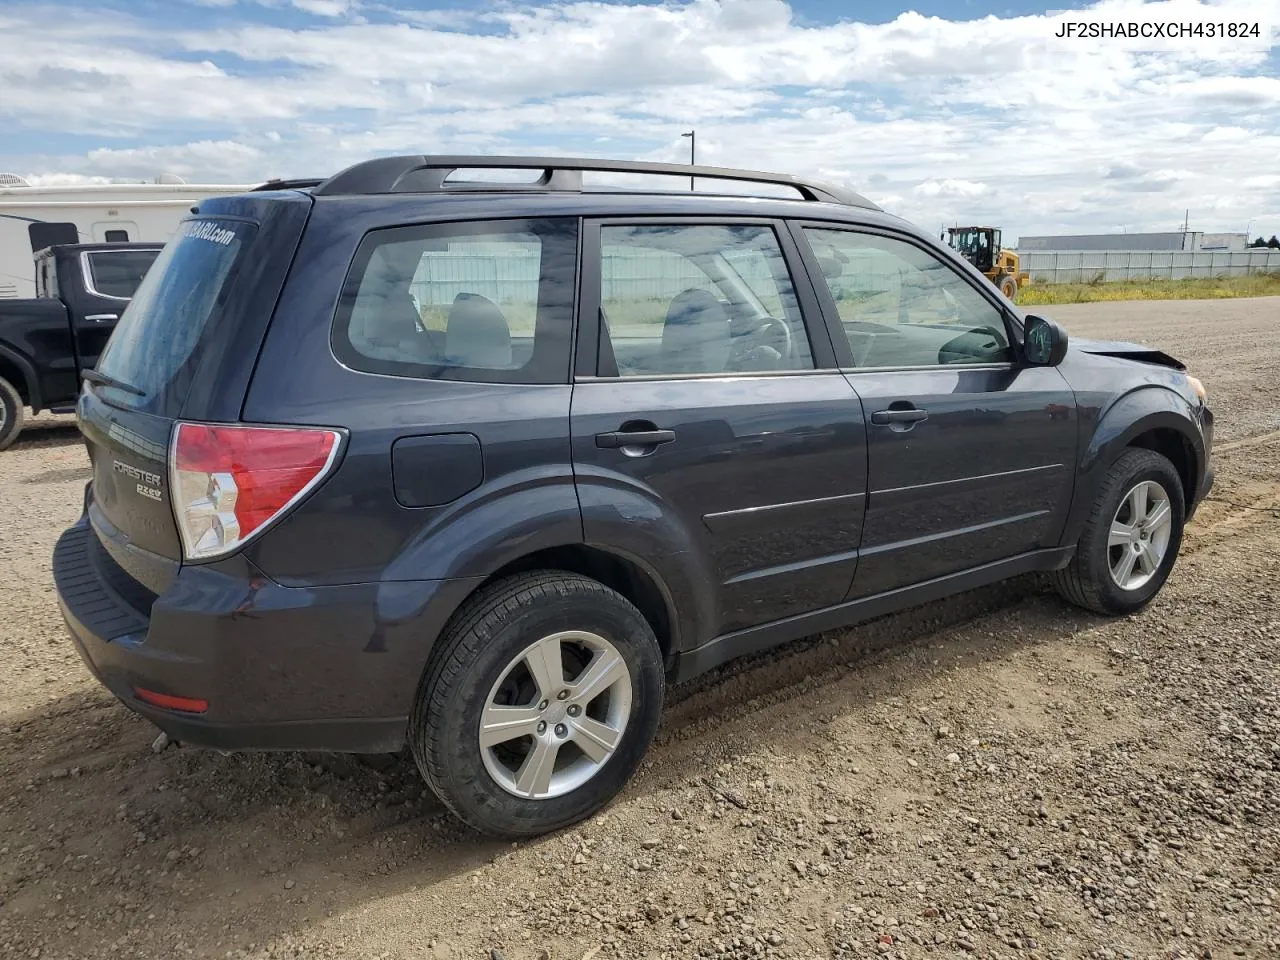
(969, 110)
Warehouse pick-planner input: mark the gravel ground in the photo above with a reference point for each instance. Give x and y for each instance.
(995, 775)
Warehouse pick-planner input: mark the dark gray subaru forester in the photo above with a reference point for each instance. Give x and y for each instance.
(482, 466)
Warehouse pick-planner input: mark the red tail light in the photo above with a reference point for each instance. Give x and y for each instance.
(228, 482)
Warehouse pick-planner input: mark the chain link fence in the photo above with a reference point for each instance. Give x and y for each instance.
(1079, 266)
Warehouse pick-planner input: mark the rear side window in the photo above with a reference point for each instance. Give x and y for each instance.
(117, 273)
(698, 299)
(489, 301)
(153, 347)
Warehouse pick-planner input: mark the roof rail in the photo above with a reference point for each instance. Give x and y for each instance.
(300, 184)
(428, 174)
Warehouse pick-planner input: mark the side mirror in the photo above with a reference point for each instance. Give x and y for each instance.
(1045, 343)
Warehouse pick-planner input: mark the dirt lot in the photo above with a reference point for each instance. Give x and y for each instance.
(1010, 778)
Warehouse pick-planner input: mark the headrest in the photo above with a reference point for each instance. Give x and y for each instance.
(476, 334)
(696, 335)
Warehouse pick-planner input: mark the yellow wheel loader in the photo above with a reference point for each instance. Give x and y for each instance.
(981, 247)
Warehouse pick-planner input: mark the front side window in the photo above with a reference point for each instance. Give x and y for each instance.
(697, 299)
(488, 301)
(900, 306)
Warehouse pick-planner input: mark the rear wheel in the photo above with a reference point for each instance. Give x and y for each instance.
(540, 702)
(12, 413)
(1009, 286)
(1131, 538)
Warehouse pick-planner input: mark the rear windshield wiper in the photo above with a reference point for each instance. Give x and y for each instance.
(97, 376)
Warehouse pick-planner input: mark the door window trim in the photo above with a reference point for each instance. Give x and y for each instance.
(831, 314)
(86, 269)
(587, 349)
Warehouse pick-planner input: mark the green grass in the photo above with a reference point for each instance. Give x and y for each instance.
(1197, 288)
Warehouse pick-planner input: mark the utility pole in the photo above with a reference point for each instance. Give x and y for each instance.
(692, 155)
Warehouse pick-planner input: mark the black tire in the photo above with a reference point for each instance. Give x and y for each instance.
(483, 639)
(1009, 286)
(12, 413)
(1087, 581)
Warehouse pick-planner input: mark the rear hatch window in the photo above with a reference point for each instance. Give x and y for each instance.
(152, 352)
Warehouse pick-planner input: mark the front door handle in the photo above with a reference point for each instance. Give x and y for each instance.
(912, 415)
(634, 438)
(102, 317)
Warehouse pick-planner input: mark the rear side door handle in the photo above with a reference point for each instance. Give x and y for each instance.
(912, 415)
(634, 438)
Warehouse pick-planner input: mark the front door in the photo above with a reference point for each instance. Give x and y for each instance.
(713, 408)
(970, 453)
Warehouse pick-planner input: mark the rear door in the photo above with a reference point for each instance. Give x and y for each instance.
(110, 279)
(970, 452)
(702, 391)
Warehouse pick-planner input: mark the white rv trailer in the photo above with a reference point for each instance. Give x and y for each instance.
(102, 213)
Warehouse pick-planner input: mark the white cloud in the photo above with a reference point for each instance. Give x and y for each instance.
(64, 179)
(940, 120)
(957, 189)
(188, 161)
(325, 8)
(320, 8)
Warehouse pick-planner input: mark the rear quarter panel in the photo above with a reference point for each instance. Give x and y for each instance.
(354, 529)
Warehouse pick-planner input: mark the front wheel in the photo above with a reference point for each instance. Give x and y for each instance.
(538, 705)
(1131, 538)
(1009, 286)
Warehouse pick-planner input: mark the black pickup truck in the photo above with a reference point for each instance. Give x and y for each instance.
(47, 343)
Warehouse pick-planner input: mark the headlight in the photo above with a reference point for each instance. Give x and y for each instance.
(1197, 388)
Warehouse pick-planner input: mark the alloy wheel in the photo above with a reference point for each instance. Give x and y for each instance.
(1140, 534)
(556, 715)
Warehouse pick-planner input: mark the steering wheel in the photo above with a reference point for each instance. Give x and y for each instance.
(763, 348)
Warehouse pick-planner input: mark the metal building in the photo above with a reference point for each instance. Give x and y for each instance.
(1175, 242)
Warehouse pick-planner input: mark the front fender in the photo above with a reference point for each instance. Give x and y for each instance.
(1149, 407)
(623, 516)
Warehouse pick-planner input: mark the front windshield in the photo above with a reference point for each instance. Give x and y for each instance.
(965, 240)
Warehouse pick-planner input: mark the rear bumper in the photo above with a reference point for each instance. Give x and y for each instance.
(331, 668)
